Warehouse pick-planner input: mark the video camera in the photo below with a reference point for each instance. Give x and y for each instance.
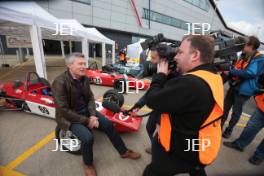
(226, 48)
(166, 48)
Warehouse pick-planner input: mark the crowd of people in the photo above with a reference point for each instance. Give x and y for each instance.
(188, 108)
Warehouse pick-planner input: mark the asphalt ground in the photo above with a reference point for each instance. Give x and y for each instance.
(27, 141)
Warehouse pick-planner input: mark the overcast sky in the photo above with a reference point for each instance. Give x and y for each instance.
(246, 16)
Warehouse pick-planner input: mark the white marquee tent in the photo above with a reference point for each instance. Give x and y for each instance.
(104, 41)
(29, 19)
(133, 51)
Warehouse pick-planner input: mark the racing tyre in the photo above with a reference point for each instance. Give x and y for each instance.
(76, 143)
(114, 97)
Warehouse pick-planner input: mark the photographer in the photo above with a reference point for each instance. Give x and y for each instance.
(191, 105)
(154, 117)
(243, 84)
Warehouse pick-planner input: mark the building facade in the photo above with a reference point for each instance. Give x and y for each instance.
(125, 21)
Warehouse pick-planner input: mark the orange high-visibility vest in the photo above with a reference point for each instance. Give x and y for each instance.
(260, 101)
(239, 65)
(122, 56)
(210, 129)
(257, 54)
(242, 64)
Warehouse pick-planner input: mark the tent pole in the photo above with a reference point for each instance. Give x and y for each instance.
(103, 54)
(85, 49)
(62, 49)
(70, 46)
(94, 50)
(28, 54)
(113, 53)
(38, 53)
(87, 54)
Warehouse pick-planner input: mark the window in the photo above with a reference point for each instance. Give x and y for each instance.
(196, 2)
(176, 23)
(202, 4)
(164, 19)
(184, 26)
(146, 14)
(83, 1)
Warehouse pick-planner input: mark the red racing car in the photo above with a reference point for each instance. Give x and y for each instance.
(34, 96)
(115, 79)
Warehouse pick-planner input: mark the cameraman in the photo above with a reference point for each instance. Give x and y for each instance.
(244, 83)
(154, 117)
(191, 105)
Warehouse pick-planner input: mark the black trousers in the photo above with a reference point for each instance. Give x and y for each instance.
(154, 118)
(236, 101)
(165, 164)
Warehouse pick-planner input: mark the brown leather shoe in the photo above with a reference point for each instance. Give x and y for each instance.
(89, 170)
(131, 154)
(148, 150)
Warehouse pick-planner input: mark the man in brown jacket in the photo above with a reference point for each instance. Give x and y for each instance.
(76, 111)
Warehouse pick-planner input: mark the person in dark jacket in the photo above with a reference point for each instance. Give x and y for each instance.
(154, 116)
(76, 111)
(248, 77)
(188, 100)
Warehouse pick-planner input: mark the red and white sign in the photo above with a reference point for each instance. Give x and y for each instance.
(18, 42)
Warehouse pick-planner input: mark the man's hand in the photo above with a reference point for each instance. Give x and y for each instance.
(135, 110)
(93, 122)
(163, 67)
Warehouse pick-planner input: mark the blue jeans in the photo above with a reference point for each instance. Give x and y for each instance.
(235, 100)
(254, 125)
(85, 135)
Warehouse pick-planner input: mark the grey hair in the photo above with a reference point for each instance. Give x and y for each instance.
(70, 58)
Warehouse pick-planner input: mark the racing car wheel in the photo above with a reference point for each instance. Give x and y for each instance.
(71, 143)
(113, 96)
